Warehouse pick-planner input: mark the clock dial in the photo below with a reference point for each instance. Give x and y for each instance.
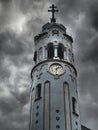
(56, 69)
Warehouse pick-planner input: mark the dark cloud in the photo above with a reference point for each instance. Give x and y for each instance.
(22, 98)
(70, 10)
(10, 45)
(29, 5)
(11, 50)
(8, 105)
(91, 13)
(5, 73)
(91, 54)
(5, 1)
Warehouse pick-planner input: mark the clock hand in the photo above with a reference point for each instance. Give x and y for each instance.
(57, 67)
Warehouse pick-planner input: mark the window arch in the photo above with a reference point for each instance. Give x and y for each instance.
(50, 51)
(47, 81)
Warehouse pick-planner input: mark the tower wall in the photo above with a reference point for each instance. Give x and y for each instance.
(54, 96)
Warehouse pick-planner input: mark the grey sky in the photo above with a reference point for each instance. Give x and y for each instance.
(20, 20)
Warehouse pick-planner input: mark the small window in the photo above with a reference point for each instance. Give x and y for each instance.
(35, 56)
(57, 126)
(75, 106)
(70, 55)
(50, 51)
(40, 53)
(38, 92)
(61, 51)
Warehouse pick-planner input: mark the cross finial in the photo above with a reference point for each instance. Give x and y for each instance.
(53, 10)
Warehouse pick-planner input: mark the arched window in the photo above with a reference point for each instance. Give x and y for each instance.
(75, 106)
(61, 51)
(35, 56)
(50, 51)
(67, 106)
(32, 102)
(38, 92)
(70, 55)
(46, 105)
(40, 53)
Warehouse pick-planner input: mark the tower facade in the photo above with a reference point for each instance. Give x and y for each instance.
(54, 96)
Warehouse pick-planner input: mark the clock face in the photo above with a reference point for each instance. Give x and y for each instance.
(56, 69)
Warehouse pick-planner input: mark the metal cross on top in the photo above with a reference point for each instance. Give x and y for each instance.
(53, 10)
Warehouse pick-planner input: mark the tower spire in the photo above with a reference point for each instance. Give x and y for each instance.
(53, 10)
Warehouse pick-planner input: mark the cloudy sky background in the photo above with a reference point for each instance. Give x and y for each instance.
(20, 20)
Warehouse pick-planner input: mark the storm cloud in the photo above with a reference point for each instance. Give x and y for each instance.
(20, 20)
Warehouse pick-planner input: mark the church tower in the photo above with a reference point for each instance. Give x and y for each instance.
(54, 96)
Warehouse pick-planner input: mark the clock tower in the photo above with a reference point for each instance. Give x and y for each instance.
(54, 96)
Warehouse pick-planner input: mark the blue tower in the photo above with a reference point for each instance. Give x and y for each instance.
(54, 96)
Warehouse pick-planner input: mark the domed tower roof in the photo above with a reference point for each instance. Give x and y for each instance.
(52, 25)
(48, 26)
